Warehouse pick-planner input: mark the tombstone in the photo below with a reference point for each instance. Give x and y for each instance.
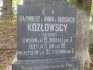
(46, 36)
(50, 34)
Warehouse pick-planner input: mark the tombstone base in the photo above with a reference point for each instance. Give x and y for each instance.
(47, 64)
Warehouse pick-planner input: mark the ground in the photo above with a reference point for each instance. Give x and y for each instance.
(8, 42)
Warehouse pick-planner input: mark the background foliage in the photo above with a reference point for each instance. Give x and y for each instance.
(14, 5)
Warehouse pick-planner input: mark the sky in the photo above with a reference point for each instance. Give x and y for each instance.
(21, 2)
(1, 4)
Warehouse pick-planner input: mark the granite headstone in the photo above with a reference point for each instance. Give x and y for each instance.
(45, 32)
(46, 36)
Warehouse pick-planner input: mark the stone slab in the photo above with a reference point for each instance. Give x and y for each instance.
(47, 65)
(45, 2)
(45, 32)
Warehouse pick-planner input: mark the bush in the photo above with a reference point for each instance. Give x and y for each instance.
(91, 48)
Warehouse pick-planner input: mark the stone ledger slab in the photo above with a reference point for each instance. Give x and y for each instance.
(47, 65)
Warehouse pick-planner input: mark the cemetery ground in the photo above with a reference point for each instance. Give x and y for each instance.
(8, 42)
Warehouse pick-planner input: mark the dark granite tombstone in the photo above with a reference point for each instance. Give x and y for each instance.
(46, 36)
(45, 32)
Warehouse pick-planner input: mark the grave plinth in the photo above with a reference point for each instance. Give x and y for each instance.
(50, 64)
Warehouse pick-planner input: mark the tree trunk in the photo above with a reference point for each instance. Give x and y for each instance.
(4, 9)
(82, 44)
(7, 8)
(82, 35)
